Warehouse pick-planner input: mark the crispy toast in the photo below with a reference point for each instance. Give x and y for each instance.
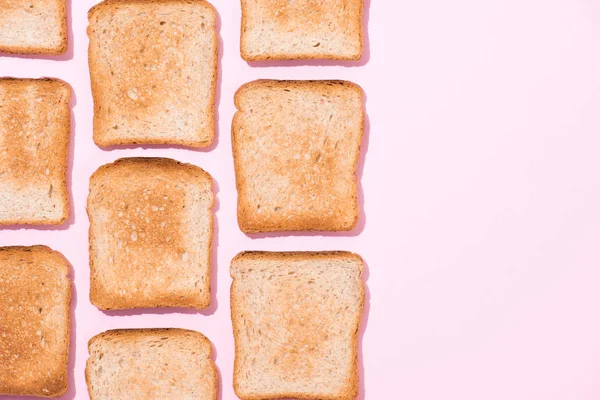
(296, 146)
(151, 228)
(153, 68)
(34, 151)
(296, 319)
(301, 29)
(35, 297)
(147, 364)
(33, 27)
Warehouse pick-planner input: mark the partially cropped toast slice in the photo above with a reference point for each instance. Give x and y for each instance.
(35, 298)
(296, 146)
(151, 364)
(301, 29)
(34, 151)
(33, 26)
(296, 319)
(151, 228)
(153, 67)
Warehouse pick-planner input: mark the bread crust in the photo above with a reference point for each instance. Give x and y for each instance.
(37, 296)
(351, 389)
(61, 48)
(133, 334)
(247, 55)
(249, 219)
(99, 135)
(58, 154)
(122, 169)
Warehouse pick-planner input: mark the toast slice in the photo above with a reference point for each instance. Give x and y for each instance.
(35, 298)
(33, 27)
(296, 319)
(151, 228)
(34, 151)
(301, 29)
(153, 67)
(296, 146)
(146, 364)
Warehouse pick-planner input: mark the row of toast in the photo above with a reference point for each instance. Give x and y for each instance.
(296, 320)
(270, 29)
(296, 146)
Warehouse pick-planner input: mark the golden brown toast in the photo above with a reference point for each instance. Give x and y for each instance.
(151, 228)
(35, 297)
(296, 319)
(153, 68)
(34, 151)
(301, 29)
(33, 27)
(296, 146)
(146, 364)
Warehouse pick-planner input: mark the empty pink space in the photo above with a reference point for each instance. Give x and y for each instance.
(481, 198)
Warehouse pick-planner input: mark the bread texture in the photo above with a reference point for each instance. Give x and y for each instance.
(301, 29)
(151, 229)
(153, 67)
(35, 298)
(151, 364)
(33, 27)
(296, 146)
(296, 319)
(34, 151)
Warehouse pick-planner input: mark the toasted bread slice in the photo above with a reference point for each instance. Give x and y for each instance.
(146, 364)
(35, 298)
(34, 151)
(33, 27)
(296, 146)
(296, 318)
(301, 29)
(153, 67)
(151, 228)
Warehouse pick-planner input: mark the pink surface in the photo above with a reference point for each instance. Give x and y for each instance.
(481, 185)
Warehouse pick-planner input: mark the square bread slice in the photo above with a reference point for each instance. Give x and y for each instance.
(146, 364)
(34, 151)
(35, 299)
(153, 67)
(33, 27)
(151, 228)
(301, 29)
(296, 319)
(296, 146)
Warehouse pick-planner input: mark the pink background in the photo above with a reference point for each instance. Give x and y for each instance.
(481, 181)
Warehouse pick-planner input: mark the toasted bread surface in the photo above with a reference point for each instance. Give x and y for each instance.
(301, 29)
(296, 146)
(296, 319)
(151, 228)
(151, 364)
(34, 151)
(33, 27)
(153, 68)
(35, 297)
